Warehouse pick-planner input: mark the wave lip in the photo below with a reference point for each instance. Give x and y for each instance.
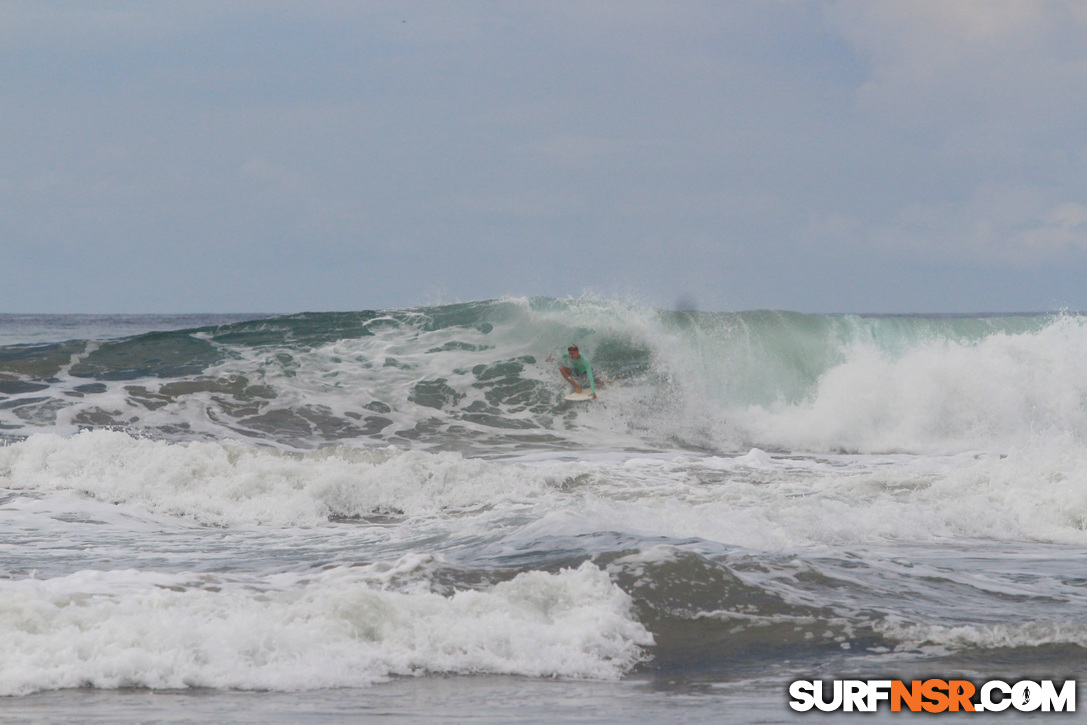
(476, 377)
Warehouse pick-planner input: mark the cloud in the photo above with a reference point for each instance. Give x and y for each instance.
(697, 148)
(1063, 227)
(978, 108)
(931, 61)
(1005, 227)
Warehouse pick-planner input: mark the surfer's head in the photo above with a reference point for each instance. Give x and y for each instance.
(573, 351)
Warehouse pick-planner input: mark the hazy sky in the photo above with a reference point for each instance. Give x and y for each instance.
(813, 155)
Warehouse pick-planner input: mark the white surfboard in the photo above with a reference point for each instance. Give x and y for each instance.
(579, 396)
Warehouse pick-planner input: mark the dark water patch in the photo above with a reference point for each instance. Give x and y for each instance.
(302, 425)
(37, 362)
(1055, 661)
(159, 354)
(705, 617)
(455, 370)
(434, 394)
(100, 418)
(300, 330)
(19, 387)
(371, 424)
(19, 402)
(463, 346)
(38, 411)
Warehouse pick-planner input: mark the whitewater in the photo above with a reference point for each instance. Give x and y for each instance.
(320, 516)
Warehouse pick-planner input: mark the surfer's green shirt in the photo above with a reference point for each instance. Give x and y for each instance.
(581, 366)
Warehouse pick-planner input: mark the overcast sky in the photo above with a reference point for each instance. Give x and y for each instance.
(812, 155)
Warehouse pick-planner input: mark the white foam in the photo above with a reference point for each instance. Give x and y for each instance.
(1033, 494)
(340, 628)
(754, 458)
(939, 396)
(983, 636)
(724, 382)
(234, 483)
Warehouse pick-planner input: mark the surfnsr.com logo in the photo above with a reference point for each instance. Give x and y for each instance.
(933, 695)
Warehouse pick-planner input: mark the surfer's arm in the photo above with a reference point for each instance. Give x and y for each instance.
(589, 372)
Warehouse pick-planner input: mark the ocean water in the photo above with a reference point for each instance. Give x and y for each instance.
(394, 513)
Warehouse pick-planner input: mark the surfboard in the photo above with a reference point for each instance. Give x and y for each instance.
(579, 396)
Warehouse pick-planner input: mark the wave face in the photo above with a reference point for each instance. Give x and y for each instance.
(335, 500)
(476, 377)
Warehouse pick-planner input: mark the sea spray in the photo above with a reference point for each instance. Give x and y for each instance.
(475, 377)
(339, 628)
(335, 499)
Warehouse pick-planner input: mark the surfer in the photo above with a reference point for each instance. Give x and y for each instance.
(577, 370)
